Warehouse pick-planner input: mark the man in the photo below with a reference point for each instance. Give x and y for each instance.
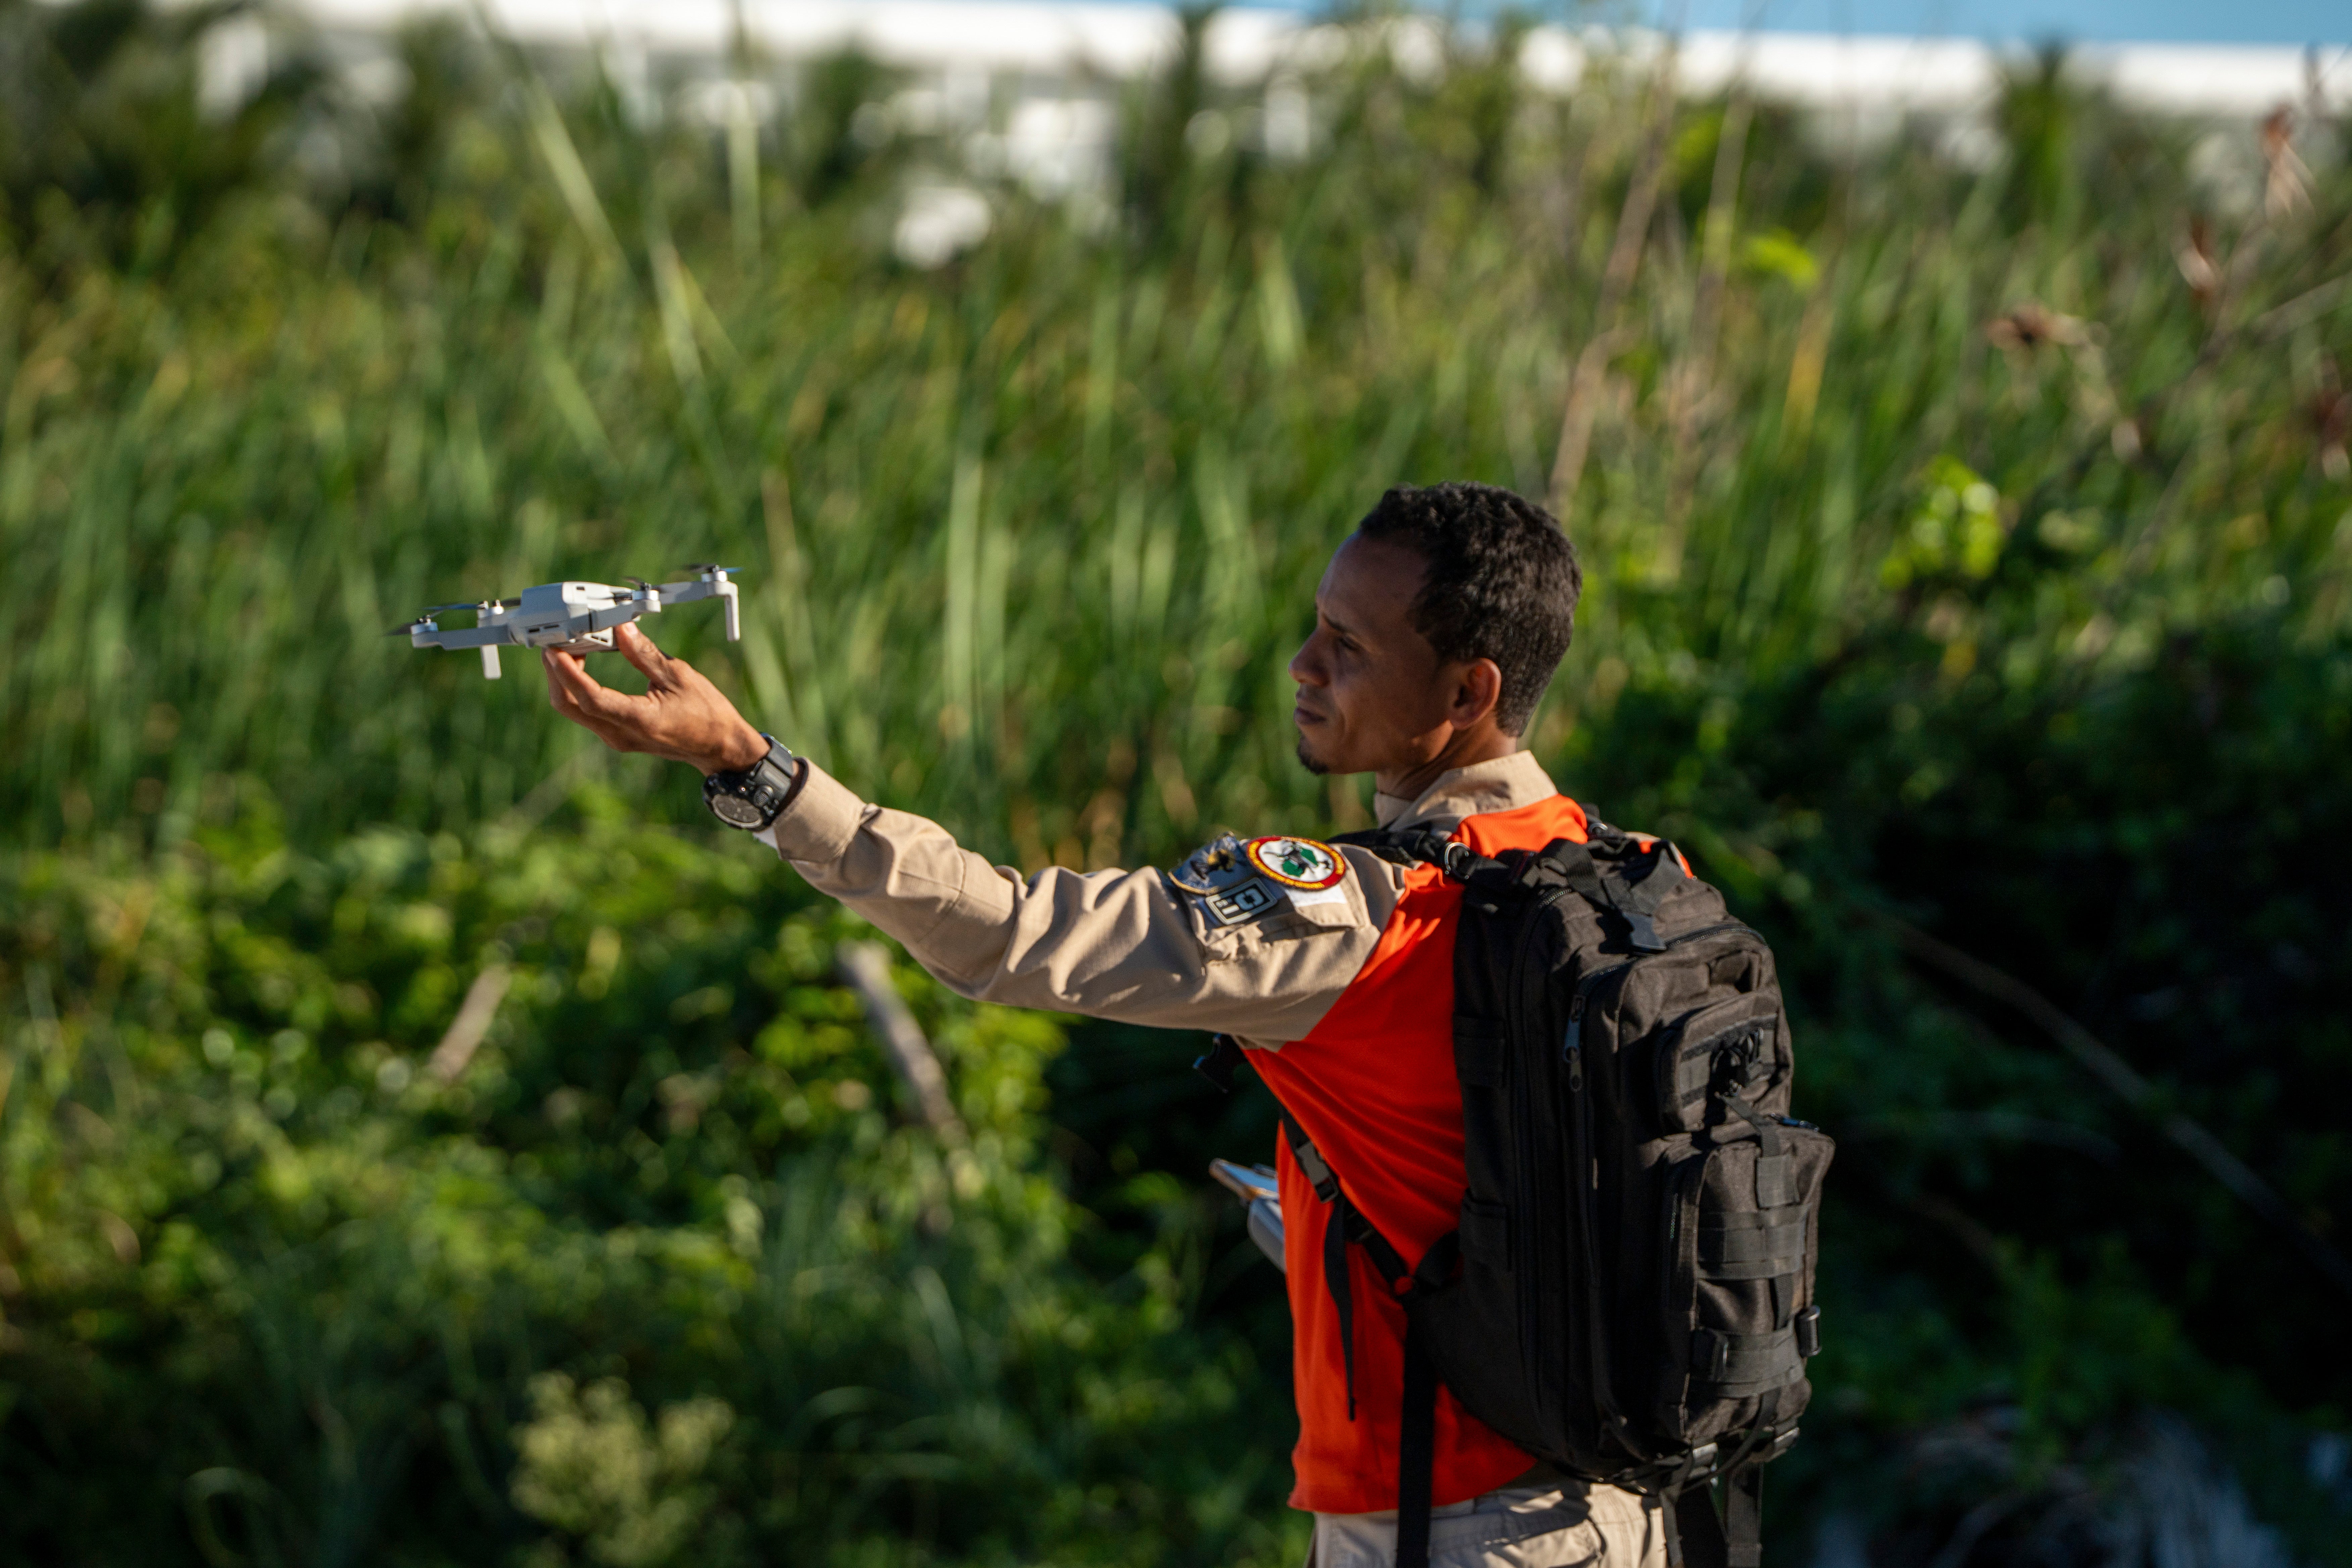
(1437, 626)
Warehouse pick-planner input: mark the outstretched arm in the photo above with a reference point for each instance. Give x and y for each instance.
(1223, 949)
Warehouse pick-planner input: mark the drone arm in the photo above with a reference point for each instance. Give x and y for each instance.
(628, 610)
(718, 585)
(469, 637)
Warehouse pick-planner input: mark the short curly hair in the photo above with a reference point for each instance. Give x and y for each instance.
(1503, 583)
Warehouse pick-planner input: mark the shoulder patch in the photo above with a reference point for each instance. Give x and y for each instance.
(1223, 883)
(1299, 863)
(1278, 887)
(1252, 900)
(1215, 867)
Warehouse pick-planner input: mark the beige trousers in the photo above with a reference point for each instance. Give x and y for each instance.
(1541, 1526)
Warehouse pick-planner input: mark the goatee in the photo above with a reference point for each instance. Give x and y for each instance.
(1309, 761)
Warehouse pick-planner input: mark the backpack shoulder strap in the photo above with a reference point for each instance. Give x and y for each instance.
(1417, 1413)
(1343, 1223)
(1224, 1057)
(1418, 846)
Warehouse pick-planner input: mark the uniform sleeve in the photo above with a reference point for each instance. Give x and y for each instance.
(1228, 951)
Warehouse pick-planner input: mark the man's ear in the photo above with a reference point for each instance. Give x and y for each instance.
(1475, 694)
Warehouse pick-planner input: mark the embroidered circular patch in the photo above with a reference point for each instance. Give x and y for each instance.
(1297, 862)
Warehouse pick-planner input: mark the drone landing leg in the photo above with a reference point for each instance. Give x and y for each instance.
(490, 661)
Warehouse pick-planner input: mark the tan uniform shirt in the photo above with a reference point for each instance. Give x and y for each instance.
(1185, 948)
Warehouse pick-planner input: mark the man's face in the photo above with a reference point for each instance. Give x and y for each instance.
(1372, 697)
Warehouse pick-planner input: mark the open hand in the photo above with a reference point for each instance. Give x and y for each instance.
(681, 716)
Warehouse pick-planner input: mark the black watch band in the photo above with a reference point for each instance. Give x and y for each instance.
(752, 799)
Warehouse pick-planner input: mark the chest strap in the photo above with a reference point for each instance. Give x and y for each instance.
(1344, 1223)
(1417, 1411)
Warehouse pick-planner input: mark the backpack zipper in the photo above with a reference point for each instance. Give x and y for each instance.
(1587, 1174)
(1577, 1161)
(1571, 1045)
(1534, 1289)
(1574, 1040)
(1581, 1159)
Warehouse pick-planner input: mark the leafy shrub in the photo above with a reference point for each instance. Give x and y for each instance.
(254, 1241)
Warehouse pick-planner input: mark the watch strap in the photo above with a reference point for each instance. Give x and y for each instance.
(766, 788)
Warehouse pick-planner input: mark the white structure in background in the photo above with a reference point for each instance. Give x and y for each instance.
(232, 64)
(965, 40)
(939, 222)
(1059, 146)
(1028, 90)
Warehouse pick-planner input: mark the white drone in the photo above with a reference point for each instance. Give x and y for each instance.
(576, 618)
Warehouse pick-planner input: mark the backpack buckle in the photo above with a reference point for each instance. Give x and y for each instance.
(1223, 1059)
(1641, 932)
(1698, 1461)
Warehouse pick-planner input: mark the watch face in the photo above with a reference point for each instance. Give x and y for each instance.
(736, 812)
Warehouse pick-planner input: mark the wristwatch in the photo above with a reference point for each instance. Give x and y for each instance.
(752, 799)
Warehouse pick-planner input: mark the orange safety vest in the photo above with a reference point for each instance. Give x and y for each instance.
(1373, 1085)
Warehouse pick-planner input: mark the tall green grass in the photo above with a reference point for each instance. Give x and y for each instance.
(1029, 539)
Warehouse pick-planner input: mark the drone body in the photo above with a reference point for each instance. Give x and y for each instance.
(574, 617)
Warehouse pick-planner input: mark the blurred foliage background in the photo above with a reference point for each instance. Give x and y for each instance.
(1967, 521)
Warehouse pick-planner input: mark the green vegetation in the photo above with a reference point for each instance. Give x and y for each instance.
(1967, 553)
(290, 1294)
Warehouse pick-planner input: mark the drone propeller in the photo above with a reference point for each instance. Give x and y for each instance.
(707, 567)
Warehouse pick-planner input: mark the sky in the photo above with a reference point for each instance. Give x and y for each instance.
(2093, 21)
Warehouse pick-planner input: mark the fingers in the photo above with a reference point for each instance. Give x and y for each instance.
(558, 694)
(574, 693)
(681, 715)
(568, 682)
(584, 692)
(639, 650)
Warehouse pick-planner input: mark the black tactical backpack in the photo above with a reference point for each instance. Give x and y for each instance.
(1630, 1294)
